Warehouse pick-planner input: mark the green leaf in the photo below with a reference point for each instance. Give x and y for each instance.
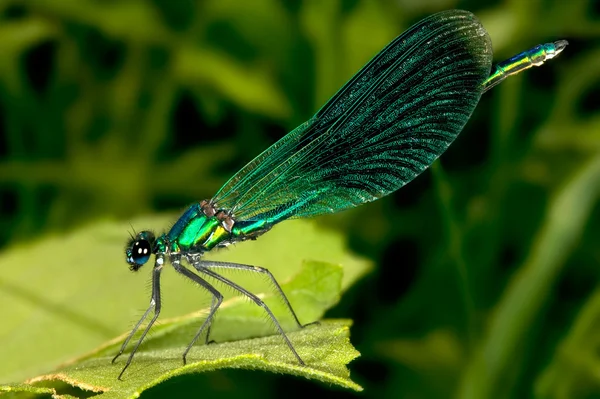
(24, 389)
(326, 349)
(66, 295)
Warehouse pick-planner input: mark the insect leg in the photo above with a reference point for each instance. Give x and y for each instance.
(256, 300)
(154, 303)
(216, 302)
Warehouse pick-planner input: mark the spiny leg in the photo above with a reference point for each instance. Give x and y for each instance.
(256, 300)
(154, 302)
(213, 307)
(254, 269)
(132, 333)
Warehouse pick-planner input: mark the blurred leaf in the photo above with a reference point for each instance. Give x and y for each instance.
(264, 25)
(523, 298)
(358, 47)
(319, 21)
(249, 88)
(135, 21)
(439, 352)
(573, 370)
(15, 38)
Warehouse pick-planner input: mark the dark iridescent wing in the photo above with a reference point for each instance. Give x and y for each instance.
(383, 128)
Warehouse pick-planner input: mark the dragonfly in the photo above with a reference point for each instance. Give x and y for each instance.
(383, 128)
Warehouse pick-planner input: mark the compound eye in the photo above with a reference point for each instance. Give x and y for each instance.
(140, 252)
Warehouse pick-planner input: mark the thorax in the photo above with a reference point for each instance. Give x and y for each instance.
(202, 227)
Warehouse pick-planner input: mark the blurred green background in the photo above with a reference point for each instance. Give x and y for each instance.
(486, 276)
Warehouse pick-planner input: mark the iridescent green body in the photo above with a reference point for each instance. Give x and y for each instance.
(533, 57)
(202, 228)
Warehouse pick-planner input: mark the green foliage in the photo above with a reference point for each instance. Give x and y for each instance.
(486, 277)
(97, 299)
(324, 347)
